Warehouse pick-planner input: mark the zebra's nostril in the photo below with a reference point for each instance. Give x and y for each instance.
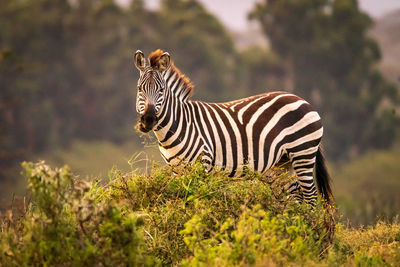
(149, 120)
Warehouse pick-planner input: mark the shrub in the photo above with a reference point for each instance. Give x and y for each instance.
(256, 236)
(65, 225)
(181, 216)
(170, 197)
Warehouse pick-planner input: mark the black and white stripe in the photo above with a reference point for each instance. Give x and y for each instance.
(257, 131)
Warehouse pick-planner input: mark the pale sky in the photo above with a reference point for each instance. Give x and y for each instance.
(233, 13)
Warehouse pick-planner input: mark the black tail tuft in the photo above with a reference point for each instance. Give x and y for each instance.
(323, 178)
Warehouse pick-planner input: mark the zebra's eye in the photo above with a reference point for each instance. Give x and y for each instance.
(139, 89)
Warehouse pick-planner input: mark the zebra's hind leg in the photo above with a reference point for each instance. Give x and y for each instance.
(293, 191)
(292, 188)
(304, 167)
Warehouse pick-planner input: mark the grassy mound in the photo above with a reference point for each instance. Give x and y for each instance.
(180, 216)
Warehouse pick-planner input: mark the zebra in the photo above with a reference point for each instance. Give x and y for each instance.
(258, 131)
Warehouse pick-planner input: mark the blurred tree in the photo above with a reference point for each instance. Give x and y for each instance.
(200, 46)
(32, 54)
(10, 101)
(260, 70)
(66, 66)
(329, 59)
(100, 55)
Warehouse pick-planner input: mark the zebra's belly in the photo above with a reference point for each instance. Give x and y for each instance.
(236, 166)
(178, 154)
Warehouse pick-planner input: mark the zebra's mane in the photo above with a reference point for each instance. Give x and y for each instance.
(185, 82)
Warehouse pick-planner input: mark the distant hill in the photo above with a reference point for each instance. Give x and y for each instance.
(253, 36)
(387, 32)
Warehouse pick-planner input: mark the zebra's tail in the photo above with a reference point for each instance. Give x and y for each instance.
(323, 178)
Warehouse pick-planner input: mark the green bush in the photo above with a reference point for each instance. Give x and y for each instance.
(65, 225)
(257, 235)
(181, 216)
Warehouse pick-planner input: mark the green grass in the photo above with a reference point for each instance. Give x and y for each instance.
(87, 159)
(367, 188)
(97, 158)
(181, 216)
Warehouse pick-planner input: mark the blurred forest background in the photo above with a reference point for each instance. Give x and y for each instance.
(67, 83)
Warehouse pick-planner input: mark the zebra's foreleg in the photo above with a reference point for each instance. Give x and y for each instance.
(206, 160)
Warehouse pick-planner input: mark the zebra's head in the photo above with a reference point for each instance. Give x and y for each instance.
(151, 87)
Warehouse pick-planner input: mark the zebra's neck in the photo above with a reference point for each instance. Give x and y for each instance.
(175, 109)
(176, 129)
(179, 85)
(175, 112)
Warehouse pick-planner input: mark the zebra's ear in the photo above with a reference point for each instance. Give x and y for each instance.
(164, 62)
(140, 61)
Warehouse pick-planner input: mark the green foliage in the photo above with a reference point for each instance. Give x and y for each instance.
(73, 221)
(181, 216)
(374, 246)
(256, 236)
(167, 200)
(65, 225)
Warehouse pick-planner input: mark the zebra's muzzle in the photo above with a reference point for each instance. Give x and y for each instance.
(148, 121)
